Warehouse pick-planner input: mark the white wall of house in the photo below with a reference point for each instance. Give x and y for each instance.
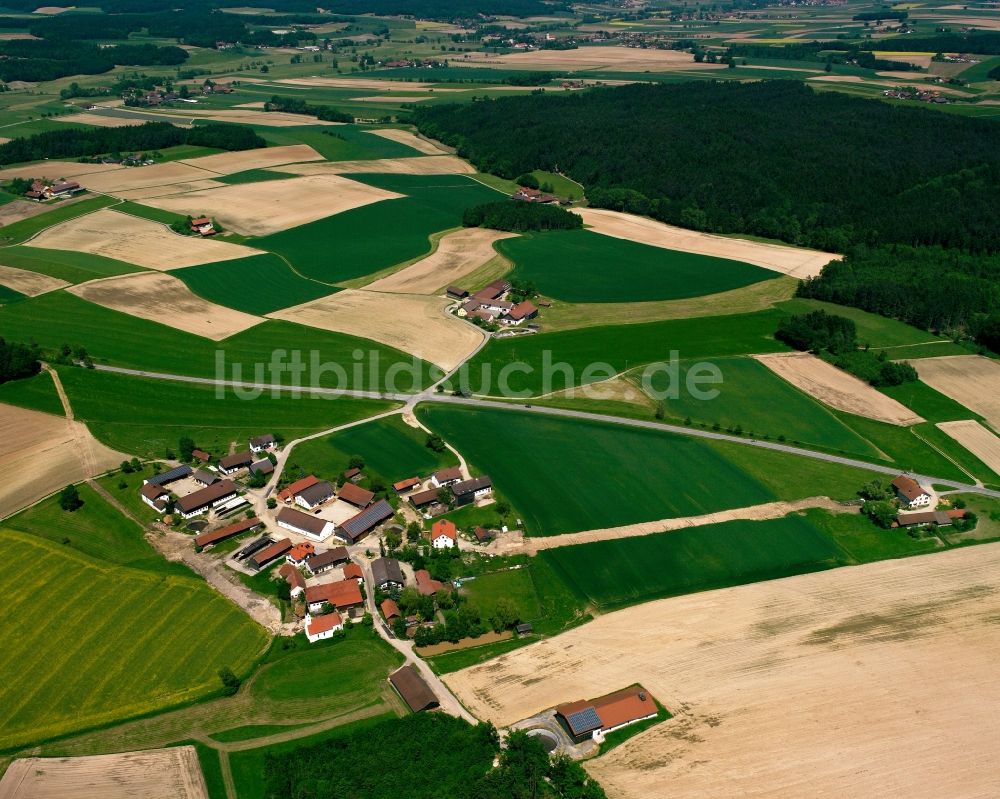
(320, 636)
(326, 532)
(442, 542)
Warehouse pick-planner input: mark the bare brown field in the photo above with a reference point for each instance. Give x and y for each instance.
(170, 188)
(836, 388)
(136, 241)
(271, 119)
(971, 380)
(408, 138)
(152, 774)
(831, 684)
(418, 165)
(794, 261)
(457, 254)
(100, 121)
(256, 209)
(141, 177)
(51, 9)
(242, 160)
(977, 439)
(414, 324)
(42, 453)
(618, 59)
(28, 283)
(159, 297)
(53, 170)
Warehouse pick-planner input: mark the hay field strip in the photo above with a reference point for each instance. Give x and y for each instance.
(408, 138)
(821, 684)
(31, 284)
(981, 442)
(970, 380)
(416, 165)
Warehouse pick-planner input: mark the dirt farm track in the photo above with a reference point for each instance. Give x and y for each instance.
(876, 680)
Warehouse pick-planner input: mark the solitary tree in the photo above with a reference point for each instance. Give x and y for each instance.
(69, 499)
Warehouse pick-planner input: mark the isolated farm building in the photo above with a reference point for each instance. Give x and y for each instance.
(446, 477)
(484, 536)
(470, 490)
(423, 498)
(353, 474)
(359, 526)
(289, 492)
(305, 524)
(387, 573)
(426, 585)
(320, 627)
(939, 517)
(413, 689)
(155, 496)
(233, 463)
(352, 571)
(270, 553)
(205, 499)
(64, 188)
(457, 293)
(406, 485)
(390, 610)
(520, 312)
(355, 495)
(291, 575)
(201, 455)
(171, 476)
(324, 561)
(203, 225)
(315, 495)
(205, 477)
(910, 494)
(524, 628)
(596, 717)
(343, 595)
(444, 534)
(263, 466)
(262, 443)
(215, 536)
(300, 553)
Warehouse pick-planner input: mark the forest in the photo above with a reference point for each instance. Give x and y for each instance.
(982, 42)
(17, 360)
(74, 143)
(447, 9)
(819, 169)
(520, 217)
(40, 60)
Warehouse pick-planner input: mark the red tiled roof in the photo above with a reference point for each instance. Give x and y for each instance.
(355, 495)
(425, 585)
(352, 571)
(908, 487)
(389, 609)
(522, 310)
(444, 527)
(268, 554)
(322, 624)
(623, 706)
(301, 551)
(341, 594)
(223, 533)
(406, 485)
(292, 575)
(288, 493)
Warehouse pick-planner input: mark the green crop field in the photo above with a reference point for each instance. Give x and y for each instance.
(150, 213)
(111, 337)
(559, 185)
(390, 448)
(343, 143)
(752, 396)
(581, 266)
(144, 416)
(254, 176)
(364, 240)
(621, 347)
(878, 331)
(259, 285)
(24, 229)
(8, 295)
(73, 267)
(591, 475)
(630, 570)
(117, 641)
(37, 393)
(515, 584)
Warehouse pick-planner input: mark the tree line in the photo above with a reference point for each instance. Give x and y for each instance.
(520, 216)
(18, 360)
(820, 169)
(41, 60)
(820, 52)
(294, 105)
(74, 143)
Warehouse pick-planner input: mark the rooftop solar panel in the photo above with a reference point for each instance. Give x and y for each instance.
(584, 721)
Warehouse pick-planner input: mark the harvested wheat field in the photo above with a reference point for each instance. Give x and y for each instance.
(414, 324)
(418, 165)
(51, 9)
(457, 254)
(165, 191)
(54, 170)
(153, 774)
(261, 158)
(42, 453)
(393, 98)
(794, 261)
(256, 209)
(876, 680)
(408, 138)
(25, 209)
(30, 284)
(101, 120)
(836, 388)
(140, 177)
(971, 380)
(269, 119)
(977, 439)
(351, 83)
(136, 241)
(614, 59)
(158, 297)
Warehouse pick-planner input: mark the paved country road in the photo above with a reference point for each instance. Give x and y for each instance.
(431, 396)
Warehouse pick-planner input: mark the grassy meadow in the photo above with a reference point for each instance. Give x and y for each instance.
(73, 267)
(581, 266)
(24, 229)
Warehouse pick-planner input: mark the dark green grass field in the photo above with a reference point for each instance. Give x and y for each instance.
(253, 176)
(37, 393)
(621, 347)
(73, 267)
(148, 212)
(364, 240)
(8, 295)
(259, 285)
(112, 337)
(391, 449)
(569, 475)
(343, 143)
(752, 396)
(626, 571)
(144, 417)
(581, 266)
(878, 331)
